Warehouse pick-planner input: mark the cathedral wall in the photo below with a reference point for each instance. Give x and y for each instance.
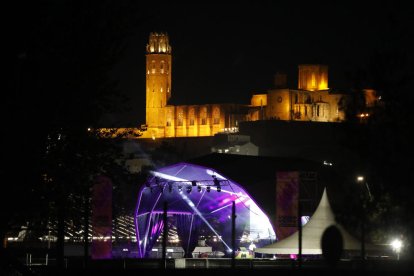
(217, 119)
(170, 121)
(192, 120)
(259, 100)
(181, 120)
(204, 120)
(278, 104)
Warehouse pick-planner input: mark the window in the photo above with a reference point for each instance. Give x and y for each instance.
(153, 67)
(162, 67)
(179, 121)
(296, 98)
(191, 121)
(203, 121)
(216, 121)
(306, 110)
(168, 123)
(317, 110)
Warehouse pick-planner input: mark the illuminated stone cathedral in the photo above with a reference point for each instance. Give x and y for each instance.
(312, 101)
(164, 120)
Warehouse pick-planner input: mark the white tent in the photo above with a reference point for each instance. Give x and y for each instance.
(312, 234)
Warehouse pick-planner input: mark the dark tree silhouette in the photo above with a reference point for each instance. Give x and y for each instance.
(62, 54)
(383, 142)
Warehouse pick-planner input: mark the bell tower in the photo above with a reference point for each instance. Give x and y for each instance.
(158, 82)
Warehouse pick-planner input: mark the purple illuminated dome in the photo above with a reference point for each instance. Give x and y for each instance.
(199, 206)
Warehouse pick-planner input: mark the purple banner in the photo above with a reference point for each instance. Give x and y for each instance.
(102, 218)
(287, 192)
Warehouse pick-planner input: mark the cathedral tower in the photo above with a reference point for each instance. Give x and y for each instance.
(158, 82)
(313, 77)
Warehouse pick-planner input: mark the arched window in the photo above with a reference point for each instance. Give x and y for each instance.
(162, 67)
(216, 116)
(203, 116)
(153, 66)
(180, 118)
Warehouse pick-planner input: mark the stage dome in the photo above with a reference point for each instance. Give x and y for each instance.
(199, 201)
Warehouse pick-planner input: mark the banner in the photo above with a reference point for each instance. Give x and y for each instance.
(287, 196)
(102, 218)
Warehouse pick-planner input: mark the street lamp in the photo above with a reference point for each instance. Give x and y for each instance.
(361, 179)
(396, 246)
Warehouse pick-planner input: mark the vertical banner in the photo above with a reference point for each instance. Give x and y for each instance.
(102, 218)
(287, 196)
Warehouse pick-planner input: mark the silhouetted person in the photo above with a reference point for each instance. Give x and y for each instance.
(332, 245)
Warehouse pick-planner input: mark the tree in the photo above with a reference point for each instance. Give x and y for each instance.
(61, 87)
(383, 141)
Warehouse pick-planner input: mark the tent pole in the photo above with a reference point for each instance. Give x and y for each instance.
(300, 230)
(165, 235)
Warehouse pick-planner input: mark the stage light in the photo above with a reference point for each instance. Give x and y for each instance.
(180, 189)
(194, 183)
(189, 188)
(199, 189)
(170, 187)
(218, 188)
(208, 189)
(215, 180)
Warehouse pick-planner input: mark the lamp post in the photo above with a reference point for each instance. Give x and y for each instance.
(165, 235)
(233, 235)
(361, 179)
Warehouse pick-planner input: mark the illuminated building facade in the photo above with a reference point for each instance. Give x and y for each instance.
(164, 120)
(311, 101)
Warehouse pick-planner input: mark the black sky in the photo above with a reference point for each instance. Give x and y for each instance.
(225, 52)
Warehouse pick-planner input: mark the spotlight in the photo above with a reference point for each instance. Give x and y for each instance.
(208, 189)
(180, 189)
(215, 180)
(199, 189)
(194, 183)
(189, 188)
(218, 188)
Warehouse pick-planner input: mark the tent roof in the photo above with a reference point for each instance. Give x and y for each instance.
(312, 234)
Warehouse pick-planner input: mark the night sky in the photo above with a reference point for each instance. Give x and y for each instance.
(225, 52)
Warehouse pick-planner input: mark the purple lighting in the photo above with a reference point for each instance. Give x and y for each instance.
(194, 211)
